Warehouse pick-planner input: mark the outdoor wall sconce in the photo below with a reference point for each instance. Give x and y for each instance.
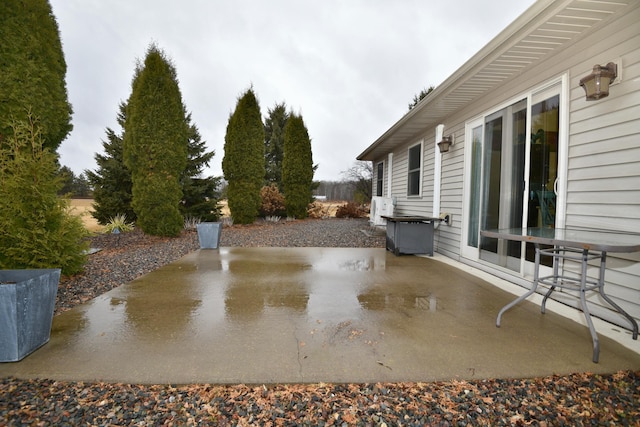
(596, 84)
(447, 141)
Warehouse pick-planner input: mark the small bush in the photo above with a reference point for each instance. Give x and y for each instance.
(36, 228)
(350, 210)
(120, 223)
(191, 222)
(318, 210)
(272, 201)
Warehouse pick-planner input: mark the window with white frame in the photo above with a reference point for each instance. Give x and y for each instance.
(379, 177)
(414, 179)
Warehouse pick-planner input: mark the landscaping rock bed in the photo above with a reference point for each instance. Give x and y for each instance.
(575, 400)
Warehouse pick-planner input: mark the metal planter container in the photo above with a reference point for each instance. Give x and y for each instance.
(27, 301)
(209, 234)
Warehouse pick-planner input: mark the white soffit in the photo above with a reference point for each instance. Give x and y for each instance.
(546, 27)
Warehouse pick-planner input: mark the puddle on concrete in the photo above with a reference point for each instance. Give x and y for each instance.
(301, 314)
(215, 290)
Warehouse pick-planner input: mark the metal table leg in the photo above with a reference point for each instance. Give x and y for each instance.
(585, 309)
(534, 286)
(634, 324)
(558, 253)
(555, 277)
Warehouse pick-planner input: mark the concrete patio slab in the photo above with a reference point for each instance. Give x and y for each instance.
(285, 315)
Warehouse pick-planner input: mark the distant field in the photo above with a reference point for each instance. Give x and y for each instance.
(330, 206)
(82, 207)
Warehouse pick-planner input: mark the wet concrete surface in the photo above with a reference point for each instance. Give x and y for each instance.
(284, 315)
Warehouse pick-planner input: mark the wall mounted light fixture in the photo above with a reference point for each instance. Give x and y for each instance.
(596, 84)
(447, 141)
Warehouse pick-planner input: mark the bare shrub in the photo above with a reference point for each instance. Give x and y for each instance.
(272, 201)
(318, 210)
(350, 210)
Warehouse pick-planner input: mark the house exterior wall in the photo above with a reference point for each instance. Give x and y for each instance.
(603, 178)
(603, 162)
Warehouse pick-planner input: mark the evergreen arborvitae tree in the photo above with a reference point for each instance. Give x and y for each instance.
(111, 182)
(274, 144)
(38, 231)
(155, 145)
(200, 195)
(32, 71)
(243, 162)
(297, 168)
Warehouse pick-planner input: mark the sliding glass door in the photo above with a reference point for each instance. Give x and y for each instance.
(512, 170)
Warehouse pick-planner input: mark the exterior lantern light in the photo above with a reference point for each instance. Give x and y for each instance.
(596, 84)
(447, 141)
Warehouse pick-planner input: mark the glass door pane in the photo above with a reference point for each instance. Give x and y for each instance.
(503, 182)
(543, 172)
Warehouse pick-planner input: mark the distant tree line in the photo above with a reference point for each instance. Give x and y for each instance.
(74, 186)
(336, 191)
(356, 184)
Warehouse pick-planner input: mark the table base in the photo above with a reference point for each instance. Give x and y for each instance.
(580, 283)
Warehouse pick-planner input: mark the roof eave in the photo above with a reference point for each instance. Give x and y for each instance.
(490, 52)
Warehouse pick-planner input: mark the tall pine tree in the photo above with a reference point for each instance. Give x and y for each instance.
(243, 162)
(200, 194)
(274, 144)
(297, 168)
(111, 182)
(32, 71)
(155, 145)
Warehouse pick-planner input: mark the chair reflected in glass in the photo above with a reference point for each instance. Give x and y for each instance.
(547, 202)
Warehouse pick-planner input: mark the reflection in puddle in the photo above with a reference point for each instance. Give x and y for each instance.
(209, 294)
(367, 264)
(378, 301)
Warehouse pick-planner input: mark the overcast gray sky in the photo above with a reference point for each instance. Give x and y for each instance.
(350, 67)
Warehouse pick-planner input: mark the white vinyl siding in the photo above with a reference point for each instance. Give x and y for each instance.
(451, 195)
(405, 204)
(603, 183)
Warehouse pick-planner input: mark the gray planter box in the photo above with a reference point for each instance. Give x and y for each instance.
(27, 301)
(209, 234)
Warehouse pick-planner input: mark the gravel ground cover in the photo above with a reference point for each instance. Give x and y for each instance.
(581, 399)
